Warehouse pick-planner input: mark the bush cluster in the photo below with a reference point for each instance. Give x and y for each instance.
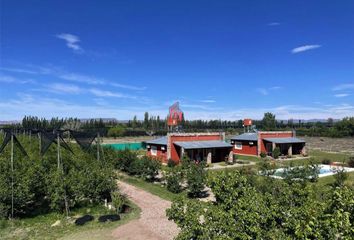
(276, 153)
(271, 209)
(190, 172)
(263, 155)
(145, 166)
(174, 180)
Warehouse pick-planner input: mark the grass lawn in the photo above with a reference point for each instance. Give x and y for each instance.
(39, 227)
(324, 181)
(153, 188)
(335, 157)
(248, 158)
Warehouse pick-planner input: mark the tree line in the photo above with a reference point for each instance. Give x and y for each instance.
(154, 125)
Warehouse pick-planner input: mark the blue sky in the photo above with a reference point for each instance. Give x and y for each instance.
(220, 59)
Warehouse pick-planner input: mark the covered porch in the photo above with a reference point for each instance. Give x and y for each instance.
(208, 151)
(288, 146)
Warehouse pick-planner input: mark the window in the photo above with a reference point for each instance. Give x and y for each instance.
(238, 145)
(153, 151)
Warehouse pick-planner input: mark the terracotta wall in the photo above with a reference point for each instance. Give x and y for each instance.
(247, 149)
(161, 154)
(190, 137)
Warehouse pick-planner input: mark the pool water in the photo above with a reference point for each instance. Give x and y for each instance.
(123, 146)
(324, 170)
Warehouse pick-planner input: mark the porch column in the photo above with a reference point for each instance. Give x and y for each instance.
(182, 152)
(209, 158)
(290, 150)
(231, 157)
(273, 146)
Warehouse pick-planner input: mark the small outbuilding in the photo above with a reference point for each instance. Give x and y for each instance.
(209, 147)
(254, 143)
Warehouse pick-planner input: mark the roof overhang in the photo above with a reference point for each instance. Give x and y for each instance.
(158, 141)
(284, 140)
(203, 144)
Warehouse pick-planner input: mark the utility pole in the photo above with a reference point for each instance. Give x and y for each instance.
(58, 150)
(40, 144)
(12, 175)
(98, 146)
(61, 168)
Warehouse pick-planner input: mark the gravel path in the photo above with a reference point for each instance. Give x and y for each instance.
(153, 223)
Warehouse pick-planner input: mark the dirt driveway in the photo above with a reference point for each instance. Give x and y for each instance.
(152, 224)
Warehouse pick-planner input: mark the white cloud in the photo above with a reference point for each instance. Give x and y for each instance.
(103, 93)
(305, 48)
(265, 91)
(208, 101)
(127, 86)
(25, 104)
(74, 77)
(18, 70)
(272, 24)
(275, 88)
(64, 88)
(71, 41)
(7, 79)
(11, 79)
(340, 95)
(80, 78)
(347, 86)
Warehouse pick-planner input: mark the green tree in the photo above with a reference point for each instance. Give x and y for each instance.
(196, 177)
(268, 121)
(146, 121)
(174, 179)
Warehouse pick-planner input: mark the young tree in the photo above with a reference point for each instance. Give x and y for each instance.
(196, 177)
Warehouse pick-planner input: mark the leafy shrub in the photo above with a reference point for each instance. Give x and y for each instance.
(146, 167)
(118, 201)
(174, 179)
(136, 167)
(151, 167)
(196, 177)
(276, 153)
(266, 168)
(351, 162)
(124, 159)
(263, 155)
(326, 161)
(340, 177)
(185, 162)
(171, 163)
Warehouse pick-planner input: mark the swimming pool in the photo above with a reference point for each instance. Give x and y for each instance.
(122, 146)
(324, 171)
